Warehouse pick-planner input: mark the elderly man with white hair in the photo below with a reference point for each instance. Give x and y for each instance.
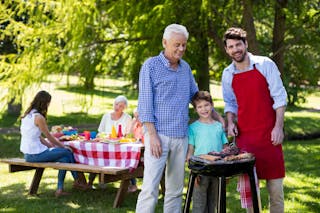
(166, 86)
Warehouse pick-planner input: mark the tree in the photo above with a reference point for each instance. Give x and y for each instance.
(302, 61)
(292, 35)
(278, 33)
(248, 23)
(113, 38)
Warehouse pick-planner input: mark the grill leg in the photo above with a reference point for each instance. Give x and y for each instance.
(253, 191)
(192, 178)
(222, 195)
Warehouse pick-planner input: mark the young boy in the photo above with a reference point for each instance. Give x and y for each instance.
(205, 135)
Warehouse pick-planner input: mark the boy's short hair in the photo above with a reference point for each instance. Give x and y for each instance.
(201, 95)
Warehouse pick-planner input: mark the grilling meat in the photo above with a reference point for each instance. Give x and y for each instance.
(210, 157)
(238, 157)
(226, 152)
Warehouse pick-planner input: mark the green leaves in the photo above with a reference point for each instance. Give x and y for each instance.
(100, 37)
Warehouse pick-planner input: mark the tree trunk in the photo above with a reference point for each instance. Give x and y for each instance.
(89, 83)
(14, 108)
(248, 23)
(278, 34)
(198, 29)
(202, 76)
(203, 69)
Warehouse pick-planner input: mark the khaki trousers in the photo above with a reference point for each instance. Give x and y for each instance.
(276, 196)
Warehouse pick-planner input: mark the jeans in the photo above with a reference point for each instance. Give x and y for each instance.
(58, 154)
(133, 181)
(205, 195)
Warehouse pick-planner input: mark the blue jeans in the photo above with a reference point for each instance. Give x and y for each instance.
(57, 154)
(205, 195)
(133, 181)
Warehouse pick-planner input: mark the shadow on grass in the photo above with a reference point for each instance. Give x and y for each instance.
(302, 127)
(110, 91)
(10, 124)
(302, 172)
(14, 198)
(8, 120)
(78, 120)
(299, 109)
(10, 145)
(301, 186)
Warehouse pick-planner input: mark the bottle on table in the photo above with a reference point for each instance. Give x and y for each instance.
(120, 135)
(113, 132)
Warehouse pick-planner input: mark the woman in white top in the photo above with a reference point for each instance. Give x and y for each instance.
(38, 149)
(116, 117)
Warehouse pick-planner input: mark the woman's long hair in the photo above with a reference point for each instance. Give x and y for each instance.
(40, 103)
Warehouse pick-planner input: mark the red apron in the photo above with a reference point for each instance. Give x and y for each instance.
(256, 119)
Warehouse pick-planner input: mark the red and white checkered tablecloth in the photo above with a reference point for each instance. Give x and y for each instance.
(106, 154)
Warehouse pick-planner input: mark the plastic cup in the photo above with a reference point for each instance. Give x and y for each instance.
(93, 134)
(86, 135)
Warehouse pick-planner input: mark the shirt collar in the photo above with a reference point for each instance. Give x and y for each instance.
(233, 68)
(165, 61)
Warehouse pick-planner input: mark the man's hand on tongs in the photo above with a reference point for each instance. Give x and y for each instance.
(232, 129)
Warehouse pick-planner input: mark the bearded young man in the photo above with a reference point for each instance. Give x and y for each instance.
(255, 101)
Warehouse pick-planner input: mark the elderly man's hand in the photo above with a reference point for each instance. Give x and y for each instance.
(155, 145)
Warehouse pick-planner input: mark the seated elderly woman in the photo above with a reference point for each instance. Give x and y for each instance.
(114, 118)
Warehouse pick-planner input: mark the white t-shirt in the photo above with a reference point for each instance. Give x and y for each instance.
(107, 123)
(30, 135)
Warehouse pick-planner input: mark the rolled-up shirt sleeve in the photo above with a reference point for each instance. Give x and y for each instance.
(276, 88)
(194, 87)
(145, 100)
(228, 93)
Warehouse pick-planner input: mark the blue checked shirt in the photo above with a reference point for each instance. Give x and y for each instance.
(165, 94)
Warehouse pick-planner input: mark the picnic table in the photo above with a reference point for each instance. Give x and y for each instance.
(113, 155)
(113, 162)
(123, 155)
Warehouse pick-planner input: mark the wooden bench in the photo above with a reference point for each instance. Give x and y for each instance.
(106, 174)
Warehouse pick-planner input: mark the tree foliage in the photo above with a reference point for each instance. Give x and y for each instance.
(114, 37)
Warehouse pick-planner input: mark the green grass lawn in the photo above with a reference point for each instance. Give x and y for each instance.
(301, 185)
(83, 109)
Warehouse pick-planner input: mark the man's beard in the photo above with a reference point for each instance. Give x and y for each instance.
(243, 57)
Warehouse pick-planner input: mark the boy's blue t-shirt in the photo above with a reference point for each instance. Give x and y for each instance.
(206, 137)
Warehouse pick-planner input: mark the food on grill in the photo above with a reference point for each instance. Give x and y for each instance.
(227, 151)
(210, 157)
(238, 157)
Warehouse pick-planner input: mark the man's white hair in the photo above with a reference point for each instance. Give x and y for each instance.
(175, 28)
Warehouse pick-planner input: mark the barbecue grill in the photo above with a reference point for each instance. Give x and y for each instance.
(221, 169)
